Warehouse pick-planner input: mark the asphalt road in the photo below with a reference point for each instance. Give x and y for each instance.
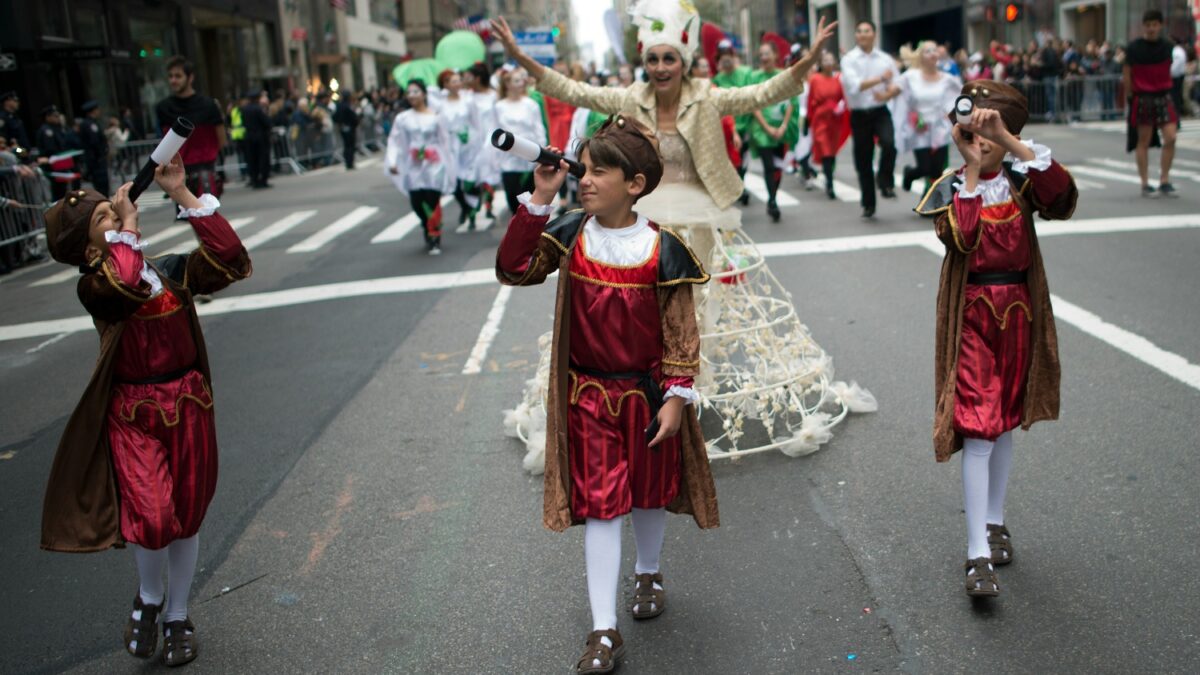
(372, 517)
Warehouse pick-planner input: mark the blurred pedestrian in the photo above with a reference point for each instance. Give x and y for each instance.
(927, 96)
(346, 119)
(1147, 78)
(257, 140)
(868, 76)
(420, 160)
(11, 126)
(95, 147)
(204, 146)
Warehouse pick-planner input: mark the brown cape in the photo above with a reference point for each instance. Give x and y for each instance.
(81, 509)
(681, 347)
(1042, 381)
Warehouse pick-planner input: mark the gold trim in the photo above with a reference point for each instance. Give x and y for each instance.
(609, 284)
(1007, 310)
(681, 364)
(120, 286)
(229, 272)
(576, 390)
(957, 235)
(643, 263)
(929, 193)
(556, 242)
(691, 253)
(1009, 219)
(162, 413)
(159, 316)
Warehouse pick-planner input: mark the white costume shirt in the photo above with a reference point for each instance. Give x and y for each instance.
(419, 148)
(523, 118)
(858, 66)
(932, 101)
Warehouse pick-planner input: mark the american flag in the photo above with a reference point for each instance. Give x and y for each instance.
(477, 23)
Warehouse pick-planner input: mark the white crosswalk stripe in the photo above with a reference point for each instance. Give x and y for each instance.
(758, 187)
(403, 225)
(1132, 168)
(188, 245)
(1096, 172)
(340, 226)
(276, 229)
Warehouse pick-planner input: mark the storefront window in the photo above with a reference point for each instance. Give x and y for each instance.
(56, 21)
(385, 13)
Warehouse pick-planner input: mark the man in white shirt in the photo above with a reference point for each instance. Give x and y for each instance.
(868, 77)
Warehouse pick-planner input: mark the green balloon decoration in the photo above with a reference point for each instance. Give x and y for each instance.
(418, 69)
(460, 49)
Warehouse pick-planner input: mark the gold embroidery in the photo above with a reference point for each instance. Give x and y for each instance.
(929, 193)
(221, 267)
(583, 248)
(1003, 319)
(681, 364)
(609, 284)
(169, 312)
(695, 261)
(576, 390)
(162, 413)
(957, 234)
(556, 242)
(1001, 221)
(121, 287)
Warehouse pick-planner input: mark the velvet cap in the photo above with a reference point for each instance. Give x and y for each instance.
(67, 223)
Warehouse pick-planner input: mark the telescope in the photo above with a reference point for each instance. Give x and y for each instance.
(166, 149)
(526, 149)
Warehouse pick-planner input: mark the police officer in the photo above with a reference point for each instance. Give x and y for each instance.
(52, 139)
(257, 141)
(95, 146)
(11, 126)
(347, 120)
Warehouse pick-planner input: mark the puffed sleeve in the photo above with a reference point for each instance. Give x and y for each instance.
(527, 254)
(607, 100)
(741, 100)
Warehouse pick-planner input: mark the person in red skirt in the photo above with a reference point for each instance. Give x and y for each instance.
(622, 435)
(828, 117)
(996, 359)
(137, 462)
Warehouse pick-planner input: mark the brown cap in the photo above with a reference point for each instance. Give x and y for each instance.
(1011, 104)
(639, 146)
(67, 225)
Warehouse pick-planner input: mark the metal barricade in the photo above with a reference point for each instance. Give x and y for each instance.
(1074, 99)
(22, 220)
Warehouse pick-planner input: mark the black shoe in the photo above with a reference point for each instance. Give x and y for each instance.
(745, 198)
(868, 212)
(829, 193)
(887, 193)
(773, 211)
(908, 181)
(1168, 190)
(1148, 192)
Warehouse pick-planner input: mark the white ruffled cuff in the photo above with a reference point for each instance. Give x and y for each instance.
(1040, 161)
(971, 194)
(124, 237)
(540, 210)
(686, 393)
(208, 205)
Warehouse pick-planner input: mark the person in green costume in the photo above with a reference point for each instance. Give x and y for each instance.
(730, 74)
(773, 128)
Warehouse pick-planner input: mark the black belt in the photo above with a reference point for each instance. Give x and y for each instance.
(645, 382)
(996, 278)
(158, 379)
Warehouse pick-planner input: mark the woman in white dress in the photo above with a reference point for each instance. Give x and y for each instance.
(477, 82)
(420, 161)
(459, 116)
(521, 115)
(926, 96)
(758, 361)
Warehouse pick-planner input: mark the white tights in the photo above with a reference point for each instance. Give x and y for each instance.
(179, 557)
(602, 556)
(985, 467)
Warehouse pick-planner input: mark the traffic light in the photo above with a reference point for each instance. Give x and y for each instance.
(1012, 12)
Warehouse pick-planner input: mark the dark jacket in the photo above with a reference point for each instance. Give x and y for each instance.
(258, 125)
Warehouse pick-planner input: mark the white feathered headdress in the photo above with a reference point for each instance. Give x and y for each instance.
(674, 23)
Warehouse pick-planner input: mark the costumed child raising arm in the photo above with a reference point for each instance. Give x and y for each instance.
(137, 462)
(626, 348)
(996, 359)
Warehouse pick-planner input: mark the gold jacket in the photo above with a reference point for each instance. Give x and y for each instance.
(701, 107)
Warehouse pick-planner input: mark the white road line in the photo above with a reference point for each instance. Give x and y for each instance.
(340, 226)
(363, 163)
(1132, 167)
(47, 343)
(1085, 184)
(488, 333)
(277, 228)
(479, 277)
(190, 244)
(403, 225)
(1134, 345)
(846, 192)
(757, 186)
(1187, 162)
(1124, 177)
(73, 273)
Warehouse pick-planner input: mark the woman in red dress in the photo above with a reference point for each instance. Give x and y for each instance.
(827, 117)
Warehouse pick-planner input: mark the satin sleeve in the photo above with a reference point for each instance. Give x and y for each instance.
(958, 225)
(743, 100)
(1054, 192)
(607, 100)
(107, 297)
(526, 256)
(219, 261)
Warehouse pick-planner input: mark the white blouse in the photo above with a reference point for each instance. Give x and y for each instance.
(419, 148)
(523, 118)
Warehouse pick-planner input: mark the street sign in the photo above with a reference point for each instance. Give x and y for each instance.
(539, 45)
(8, 61)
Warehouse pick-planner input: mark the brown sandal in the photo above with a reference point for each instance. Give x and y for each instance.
(981, 578)
(179, 643)
(598, 651)
(141, 637)
(648, 601)
(1001, 542)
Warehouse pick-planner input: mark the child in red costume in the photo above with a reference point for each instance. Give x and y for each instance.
(137, 463)
(996, 364)
(622, 436)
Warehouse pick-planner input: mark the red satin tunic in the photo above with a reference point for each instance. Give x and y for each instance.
(994, 353)
(616, 326)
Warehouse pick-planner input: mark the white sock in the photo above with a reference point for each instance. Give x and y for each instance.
(181, 561)
(975, 455)
(998, 468)
(150, 565)
(649, 526)
(602, 555)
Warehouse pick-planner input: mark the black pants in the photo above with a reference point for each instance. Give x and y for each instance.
(930, 164)
(461, 193)
(427, 204)
(349, 145)
(771, 173)
(1177, 98)
(258, 160)
(865, 127)
(515, 183)
(827, 169)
